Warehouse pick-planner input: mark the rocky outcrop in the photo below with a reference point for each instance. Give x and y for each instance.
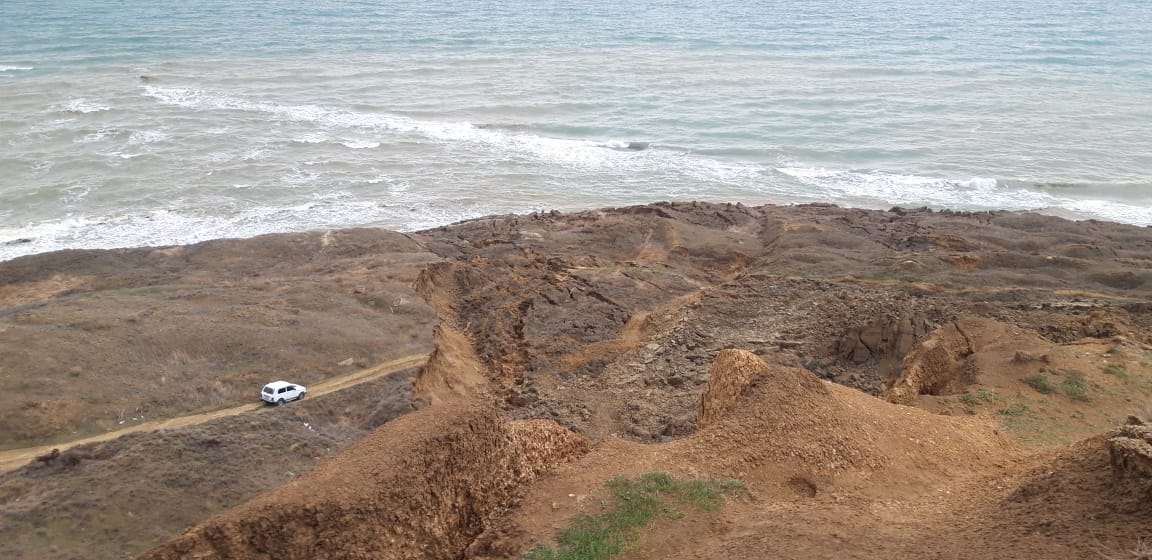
(1130, 453)
(884, 337)
(939, 366)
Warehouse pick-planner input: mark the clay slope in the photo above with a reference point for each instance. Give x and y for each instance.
(1092, 499)
(435, 483)
(424, 486)
(838, 474)
(1062, 506)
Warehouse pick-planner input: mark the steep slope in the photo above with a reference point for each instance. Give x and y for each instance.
(424, 486)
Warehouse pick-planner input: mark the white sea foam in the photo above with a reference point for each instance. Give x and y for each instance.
(396, 187)
(138, 137)
(16, 68)
(893, 189)
(179, 227)
(299, 177)
(42, 167)
(75, 193)
(877, 189)
(699, 174)
(360, 145)
(1106, 210)
(254, 154)
(582, 154)
(94, 137)
(83, 106)
(311, 139)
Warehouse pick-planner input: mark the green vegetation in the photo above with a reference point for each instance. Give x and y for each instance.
(1040, 382)
(983, 395)
(1117, 371)
(636, 503)
(1020, 409)
(1075, 385)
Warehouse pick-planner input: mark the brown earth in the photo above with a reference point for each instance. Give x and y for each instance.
(149, 334)
(117, 498)
(1019, 340)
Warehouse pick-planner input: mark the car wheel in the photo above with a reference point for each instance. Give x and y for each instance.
(279, 402)
(301, 397)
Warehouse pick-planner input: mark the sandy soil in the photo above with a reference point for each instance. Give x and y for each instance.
(916, 383)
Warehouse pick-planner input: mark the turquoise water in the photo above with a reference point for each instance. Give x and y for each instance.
(148, 123)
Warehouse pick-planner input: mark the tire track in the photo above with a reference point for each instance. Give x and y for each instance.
(16, 458)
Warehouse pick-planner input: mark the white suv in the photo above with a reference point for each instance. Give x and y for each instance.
(280, 392)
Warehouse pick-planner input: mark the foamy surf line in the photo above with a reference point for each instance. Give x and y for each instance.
(586, 155)
(686, 174)
(82, 106)
(879, 189)
(160, 228)
(693, 173)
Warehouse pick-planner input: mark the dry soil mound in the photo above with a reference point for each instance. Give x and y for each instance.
(789, 420)
(424, 486)
(728, 378)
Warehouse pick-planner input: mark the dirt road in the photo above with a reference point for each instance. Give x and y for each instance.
(15, 458)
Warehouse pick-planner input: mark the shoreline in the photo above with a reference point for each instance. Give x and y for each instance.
(19, 242)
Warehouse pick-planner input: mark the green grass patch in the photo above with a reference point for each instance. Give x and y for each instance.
(635, 503)
(1117, 371)
(983, 395)
(1020, 409)
(1041, 383)
(1075, 385)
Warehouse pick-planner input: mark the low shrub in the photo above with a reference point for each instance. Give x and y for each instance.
(1040, 382)
(1075, 385)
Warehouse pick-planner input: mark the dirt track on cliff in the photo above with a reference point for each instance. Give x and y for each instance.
(1008, 338)
(14, 458)
(999, 327)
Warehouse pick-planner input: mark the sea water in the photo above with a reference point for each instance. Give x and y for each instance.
(137, 122)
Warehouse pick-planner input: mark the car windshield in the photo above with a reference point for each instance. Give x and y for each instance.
(267, 389)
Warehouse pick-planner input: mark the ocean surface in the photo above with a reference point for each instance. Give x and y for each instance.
(134, 122)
